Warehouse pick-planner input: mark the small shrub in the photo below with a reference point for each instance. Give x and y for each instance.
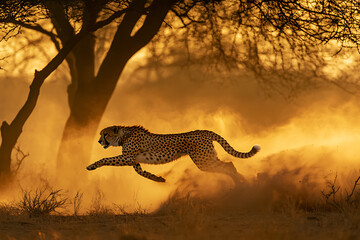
(346, 201)
(41, 201)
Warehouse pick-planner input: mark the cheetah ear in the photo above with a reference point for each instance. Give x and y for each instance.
(116, 129)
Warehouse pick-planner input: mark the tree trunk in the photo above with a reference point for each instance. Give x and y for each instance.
(11, 132)
(9, 138)
(86, 110)
(90, 95)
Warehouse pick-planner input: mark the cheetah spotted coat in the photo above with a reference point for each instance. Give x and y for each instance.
(141, 146)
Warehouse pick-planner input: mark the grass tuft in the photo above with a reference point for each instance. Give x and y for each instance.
(97, 207)
(41, 202)
(77, 202)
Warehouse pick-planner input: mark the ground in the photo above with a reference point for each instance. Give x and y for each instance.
(275, 206)
(186, 225)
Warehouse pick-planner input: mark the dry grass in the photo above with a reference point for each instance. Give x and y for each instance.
(77, 202)
(41, 202)
(7, 209)
(97, 207)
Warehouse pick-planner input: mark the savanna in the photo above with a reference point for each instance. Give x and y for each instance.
(281, 74)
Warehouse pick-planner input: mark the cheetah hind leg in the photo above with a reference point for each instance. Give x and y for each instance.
(211, 163)
(146, 174)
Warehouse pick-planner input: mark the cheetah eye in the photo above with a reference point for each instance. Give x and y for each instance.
(116, 130)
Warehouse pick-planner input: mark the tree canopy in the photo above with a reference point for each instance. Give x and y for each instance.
(319, 20)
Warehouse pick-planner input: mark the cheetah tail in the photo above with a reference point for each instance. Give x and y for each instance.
(231, 150)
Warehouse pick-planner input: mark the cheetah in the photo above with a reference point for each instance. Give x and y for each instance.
(141, 146)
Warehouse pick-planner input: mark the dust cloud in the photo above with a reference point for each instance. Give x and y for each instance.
(305, 141)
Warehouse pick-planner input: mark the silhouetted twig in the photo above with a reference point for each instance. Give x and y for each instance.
(348, 197)
(20, 157)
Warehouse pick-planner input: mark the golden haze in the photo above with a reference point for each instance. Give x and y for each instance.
(305, 140)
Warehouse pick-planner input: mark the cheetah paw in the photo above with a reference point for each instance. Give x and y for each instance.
(160, 179)
(91, 167)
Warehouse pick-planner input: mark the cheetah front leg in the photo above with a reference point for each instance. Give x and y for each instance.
(146, 174)
(111, 161)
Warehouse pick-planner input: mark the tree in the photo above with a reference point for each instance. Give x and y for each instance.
(297, 24)
(11, 132)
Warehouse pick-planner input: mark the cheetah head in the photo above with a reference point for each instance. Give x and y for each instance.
(111, 136)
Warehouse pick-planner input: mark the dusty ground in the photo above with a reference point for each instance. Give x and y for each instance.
(270, 208)
(190, 225)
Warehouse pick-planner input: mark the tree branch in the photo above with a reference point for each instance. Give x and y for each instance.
(110, 19)
(35, 27)
(157, 13)
(58, 17)
(16, 125)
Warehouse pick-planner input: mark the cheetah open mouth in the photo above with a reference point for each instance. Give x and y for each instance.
(104, 143)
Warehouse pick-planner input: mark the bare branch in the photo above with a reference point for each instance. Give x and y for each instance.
(60, 21)
(348, 197)
(333, 190)
(38, 28)
(20, 157)
(152, 23)
(103, 23)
